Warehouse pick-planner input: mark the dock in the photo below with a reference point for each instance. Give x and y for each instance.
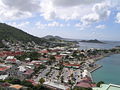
(94, 69)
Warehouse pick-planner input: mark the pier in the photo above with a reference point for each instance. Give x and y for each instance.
(94, 69)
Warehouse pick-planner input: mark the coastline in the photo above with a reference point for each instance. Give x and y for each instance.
(98, 66)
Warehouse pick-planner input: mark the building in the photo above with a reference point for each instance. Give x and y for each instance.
(17, 87)
(4, 68)
(56, 86)
(75, 66)
(107, 87)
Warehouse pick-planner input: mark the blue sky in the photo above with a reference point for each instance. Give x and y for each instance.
(78, 19)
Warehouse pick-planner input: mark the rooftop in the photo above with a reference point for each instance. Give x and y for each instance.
(107, 87)
(3, 68)
(56, 85)
(16, 86)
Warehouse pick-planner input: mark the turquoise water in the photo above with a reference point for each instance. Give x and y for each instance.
(110, 72)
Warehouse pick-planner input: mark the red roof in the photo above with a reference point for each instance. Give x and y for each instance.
(43, 51)
(32, 81)
(3, 68)
(36, 62)
(55, 50)
(43, 58)
(29, 72)
(58, 57)
(85, 84)
(87, 79)
(5, 84)
(71, 65)
(9, 53)
(11, 60)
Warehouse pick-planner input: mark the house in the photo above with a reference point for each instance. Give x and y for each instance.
(17, 87)
(43, 60)
(85, 85)
(107, 87)
(43, 51)
(32, 81)
(58, 57)
(12, 61)
(22, 68)
(36, 63)
(75, 66)
(85, 82)
(3, 77)
(4, 68)
(28, 73)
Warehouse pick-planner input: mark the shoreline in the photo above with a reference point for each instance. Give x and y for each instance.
(98, 66)
(92, 70)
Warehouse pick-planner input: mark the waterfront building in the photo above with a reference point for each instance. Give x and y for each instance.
(107, 87)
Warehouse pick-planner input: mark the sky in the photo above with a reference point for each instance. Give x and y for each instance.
(77, 19)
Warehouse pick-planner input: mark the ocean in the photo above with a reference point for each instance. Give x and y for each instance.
(107, 45)
(110, 72)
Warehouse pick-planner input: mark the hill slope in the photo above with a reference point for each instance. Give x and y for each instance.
(11, 33)
(92, 41)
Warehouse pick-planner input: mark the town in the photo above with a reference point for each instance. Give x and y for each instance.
(31, 66)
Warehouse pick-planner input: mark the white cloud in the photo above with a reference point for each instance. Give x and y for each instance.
(21, 25)
(66, 9)
(69, 3)
(102, 9)
(55, 24)
(90, 18)
(99, 12)
(86, 11)
(118, 18)
(18, 9)
(101, 27)
(40, 25)
(23, 5)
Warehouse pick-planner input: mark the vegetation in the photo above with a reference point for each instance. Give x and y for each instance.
(42, 80)
(40, 67)
(92, 41)
(99, 83)
(13, 34)
(31, 55)
(52, 58)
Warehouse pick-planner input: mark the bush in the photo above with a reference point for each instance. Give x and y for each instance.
(99, 83)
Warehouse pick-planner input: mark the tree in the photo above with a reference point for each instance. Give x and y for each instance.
(15, 81)
(26, 83)
(62, 79)
(42, 80)
(52, 58)
(99, 83)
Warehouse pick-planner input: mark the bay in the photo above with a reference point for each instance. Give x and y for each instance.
(110, 72)
(107, 45)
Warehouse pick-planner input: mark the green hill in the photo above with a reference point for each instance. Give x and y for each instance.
(11, 33)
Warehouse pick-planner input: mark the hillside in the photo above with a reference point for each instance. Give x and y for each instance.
(92, 41)
(51, 37)
(11, 33)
